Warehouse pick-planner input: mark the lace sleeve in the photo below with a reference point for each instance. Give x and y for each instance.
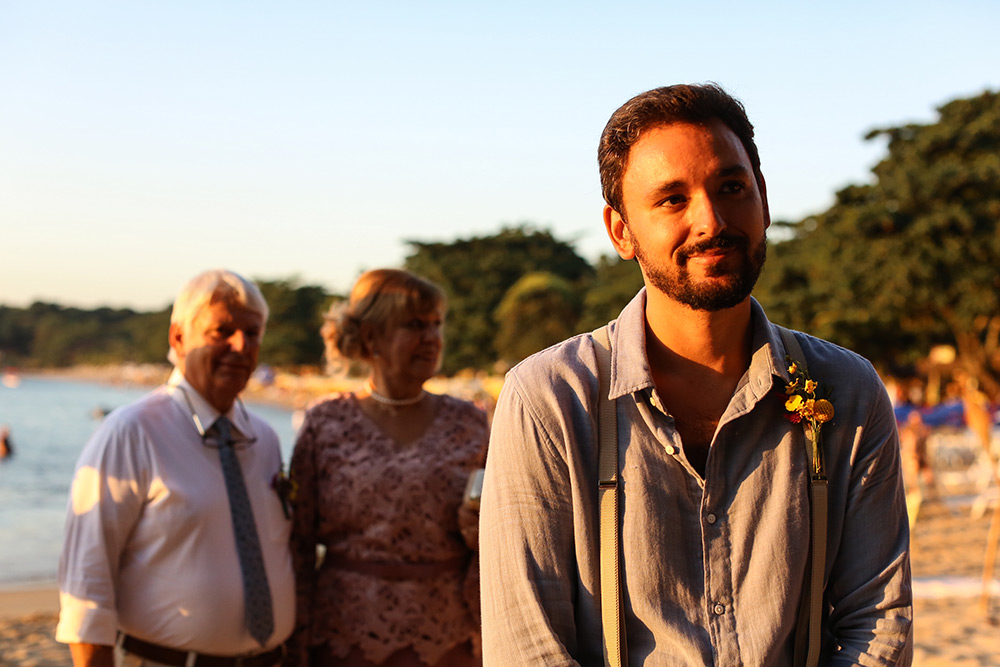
(303, 539)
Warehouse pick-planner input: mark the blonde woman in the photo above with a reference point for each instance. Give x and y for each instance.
(381, 474)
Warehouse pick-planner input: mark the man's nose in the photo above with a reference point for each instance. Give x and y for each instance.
(238, 342)
(706, 217)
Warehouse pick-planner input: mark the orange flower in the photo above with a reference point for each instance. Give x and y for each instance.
(823, 410)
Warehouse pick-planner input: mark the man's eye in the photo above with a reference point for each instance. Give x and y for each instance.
(733, 187)
(673, 200)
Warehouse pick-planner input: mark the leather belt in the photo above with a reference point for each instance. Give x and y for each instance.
(173, 656)
(396, 571)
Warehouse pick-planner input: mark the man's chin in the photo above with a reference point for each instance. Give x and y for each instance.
(231, 382)
(711, 295)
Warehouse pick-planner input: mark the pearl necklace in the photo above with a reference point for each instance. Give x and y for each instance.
(394, 402)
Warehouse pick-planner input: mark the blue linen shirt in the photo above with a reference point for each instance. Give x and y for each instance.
(713, 568)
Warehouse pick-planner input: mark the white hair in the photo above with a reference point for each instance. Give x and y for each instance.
(214, 286)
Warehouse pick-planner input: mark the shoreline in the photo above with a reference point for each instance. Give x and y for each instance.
(29, 599)
(292, 391)
(950, 627)
(948, 541)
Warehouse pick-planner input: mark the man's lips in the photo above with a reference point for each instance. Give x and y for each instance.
(713, 253)
(712, 249)
(233, 366)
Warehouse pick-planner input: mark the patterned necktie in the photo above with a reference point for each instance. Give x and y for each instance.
(259, 616)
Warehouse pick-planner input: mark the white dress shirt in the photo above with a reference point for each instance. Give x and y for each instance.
(149, 545)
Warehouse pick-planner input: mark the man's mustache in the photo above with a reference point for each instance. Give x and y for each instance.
(724, 242)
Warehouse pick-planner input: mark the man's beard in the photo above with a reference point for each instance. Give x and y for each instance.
(729, 288)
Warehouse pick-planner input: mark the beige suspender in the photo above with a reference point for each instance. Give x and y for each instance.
(612, 612)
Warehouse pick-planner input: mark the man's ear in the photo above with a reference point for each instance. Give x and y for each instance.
(175, 336)
(619, 233)
(763, 200)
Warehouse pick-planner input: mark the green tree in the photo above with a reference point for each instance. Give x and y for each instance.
(16, 334)
(614, 284)
(476, 272)
(538, 310)
(296, 314)
(47, 335)
(912, 259)
(148, 335)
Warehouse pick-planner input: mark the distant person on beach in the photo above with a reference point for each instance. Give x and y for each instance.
(176, 547)
(381, 474)
(6, 447)
(712, 488)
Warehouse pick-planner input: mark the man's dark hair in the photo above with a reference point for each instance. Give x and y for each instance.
(682, 103)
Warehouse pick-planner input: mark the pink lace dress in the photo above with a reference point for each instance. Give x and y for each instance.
(371, 500)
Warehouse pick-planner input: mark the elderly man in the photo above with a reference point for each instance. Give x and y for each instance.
(717, 410)
(176, 541)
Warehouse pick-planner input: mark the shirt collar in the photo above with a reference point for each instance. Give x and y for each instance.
(767, 358)
(630, 371)
(206, 413)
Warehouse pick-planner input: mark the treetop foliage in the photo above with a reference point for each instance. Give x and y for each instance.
(476, 273)
(911, 260)
(892, 268)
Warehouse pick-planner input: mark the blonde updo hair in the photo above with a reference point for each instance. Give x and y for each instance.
(381, 299)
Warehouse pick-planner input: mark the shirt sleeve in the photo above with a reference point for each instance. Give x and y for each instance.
(869, 586)
(471, 586)
(526, 542)
(304, 539)
(106, 501)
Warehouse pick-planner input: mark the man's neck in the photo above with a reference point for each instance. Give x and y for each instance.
(697, 359)
(178, 377)
(681, 339)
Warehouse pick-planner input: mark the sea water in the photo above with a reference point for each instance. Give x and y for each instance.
(50, 420)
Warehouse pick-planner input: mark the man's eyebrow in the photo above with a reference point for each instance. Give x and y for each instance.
(664, 188)
(734, 170)
(670, 186)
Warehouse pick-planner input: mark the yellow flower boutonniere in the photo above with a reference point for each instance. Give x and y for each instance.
(803, 407)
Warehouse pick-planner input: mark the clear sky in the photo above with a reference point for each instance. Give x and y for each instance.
(141, 142)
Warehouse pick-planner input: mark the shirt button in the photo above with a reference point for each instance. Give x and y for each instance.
(720, 609)
(670, 449)
(710, 518)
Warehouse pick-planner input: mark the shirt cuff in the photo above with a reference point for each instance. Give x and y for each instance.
(82, 622)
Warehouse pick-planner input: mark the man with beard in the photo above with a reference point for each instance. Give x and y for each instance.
(717, 412)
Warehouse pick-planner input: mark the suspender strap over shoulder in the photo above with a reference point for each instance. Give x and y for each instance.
(811, 612)
(612, 612)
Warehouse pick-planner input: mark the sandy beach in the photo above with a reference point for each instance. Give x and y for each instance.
(948, 545)
(950, 628)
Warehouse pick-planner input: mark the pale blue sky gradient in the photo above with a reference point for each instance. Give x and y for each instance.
(141, 142)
